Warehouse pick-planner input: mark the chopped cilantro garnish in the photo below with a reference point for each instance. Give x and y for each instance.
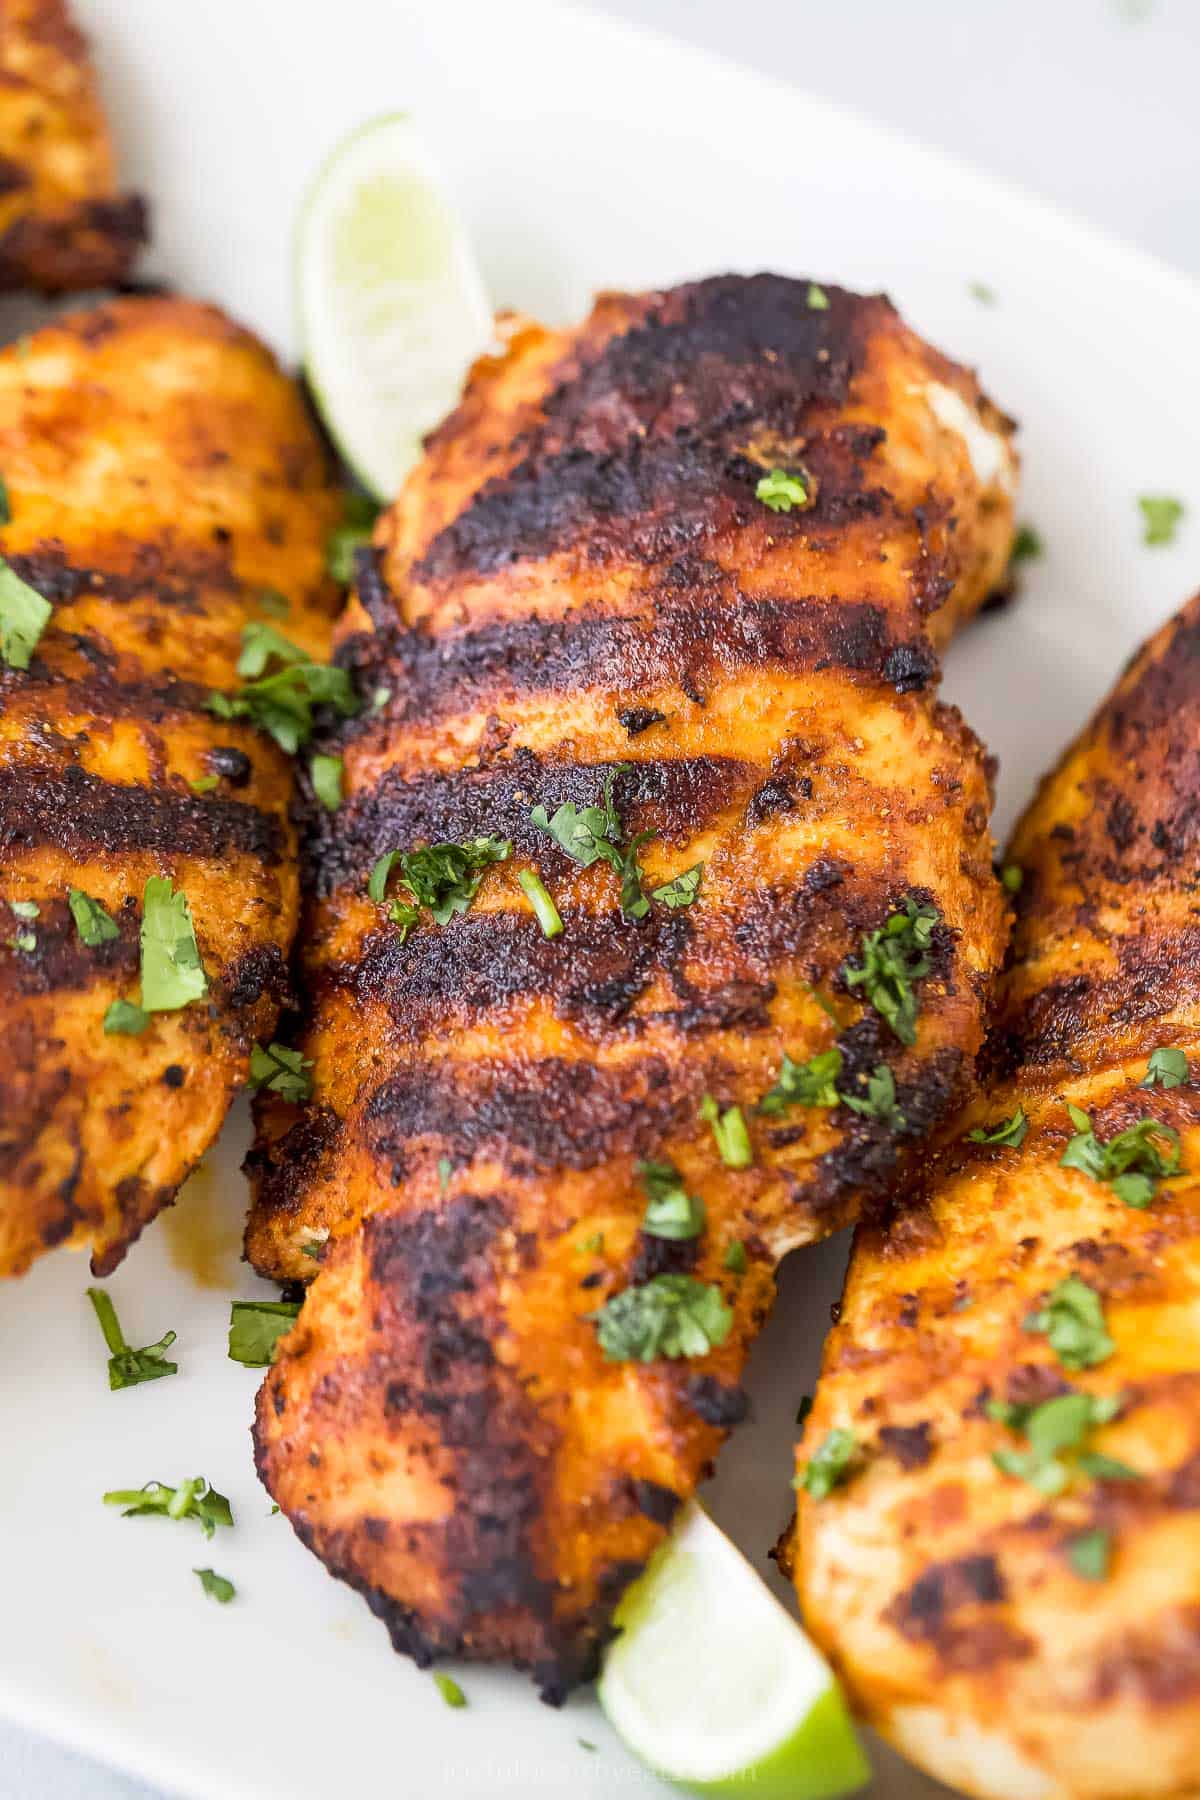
(25, 909)
(879, 1101)
(979, 290)
(255, 1328)
(25, 940)
(449, 1689)
(735, 1257)
(378, 879)
(538, 895)
(125, 1019)
(1167, 1068)
(216, 1586)
(1012, 878)
(670, 1315)
(894, 959)
(830, 1464)
(93, 924)
(193, 1499)
(443, 877)
(591, 1245)
(353, 534)
(593, 834)
(729, 1130)
(1057, 1432)
(24, 616)
(172, 973)
(671, 1212)
(128, 1367)
(781, 491)
(1072, 1320)
(5, 505)
(818, 299)
(271, 601)
(203, 784)
(444, 1171)
(326, 775)
(1008, 1131)
(1131, 1164)
(282, 704)
(1161, 514)
(813, 1083)
(682, 890)
(1090, 1553)
(1026, 546)
(281, 1071)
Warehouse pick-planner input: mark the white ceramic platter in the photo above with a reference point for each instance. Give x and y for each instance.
(585, 156)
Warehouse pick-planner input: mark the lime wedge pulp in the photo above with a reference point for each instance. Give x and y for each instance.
(392, 307)
(714, 1685)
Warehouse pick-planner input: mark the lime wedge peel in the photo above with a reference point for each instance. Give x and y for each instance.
(392, 308)
(714, 1685)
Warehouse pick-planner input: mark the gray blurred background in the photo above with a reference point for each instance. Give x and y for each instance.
(1093, 104)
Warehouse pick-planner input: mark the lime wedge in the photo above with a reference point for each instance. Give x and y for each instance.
(716, 1687)
(392, 307)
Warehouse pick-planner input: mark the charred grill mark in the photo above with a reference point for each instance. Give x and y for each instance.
(641, 449)
(551, 1114)
(282, 1173)
(922, 1611)
(674, 799)
(90, 246)
(84, 815)
(154, 699)
(166, 574)
(717, 1402)
(681, 642)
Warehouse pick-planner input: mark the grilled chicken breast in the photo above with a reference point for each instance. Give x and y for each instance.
(586, 585)
(1033, 1629)
(161, 478)
(64, 224)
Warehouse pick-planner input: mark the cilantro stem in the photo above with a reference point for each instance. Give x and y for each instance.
(106, 1312)
(547, 914)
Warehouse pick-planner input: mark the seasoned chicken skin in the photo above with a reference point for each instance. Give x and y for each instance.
(64, 224)
(1030, 1630)
(161, 476)
(582, 584)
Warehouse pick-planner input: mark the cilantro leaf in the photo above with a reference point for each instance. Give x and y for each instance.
(813, 1083)
(1131, 1164)
(282, 704)
(682, 890)
(1057, 1433)
(538, 895)
(24, 616)
(449, 1689)
(325, 773)
(1026, 547)
(1161, 514)
(1012, 878)
(1090, 1553)
(670, 1315)
(671, 1212)
(203, 784)
(593, 834)
(1072, 1319)
(818, 299)
(128, 1367)
(193, 1499)
(5, 504)
(125, 1019)
(262, 642)
(446, 877)
(830, 1465)
(1008, 1131)
(25, 940)
(271, 601)
(216, 1586)
(172, 973)
(255, 1328)
(353, 534)
(1167, 1068)
(378, 879)
(979, 290)
(735, 1257)
(281, 1071)
(894, 959)
(25, 909)
(781, 491)
(93, 924)
(729, 1130)
(879, 1102)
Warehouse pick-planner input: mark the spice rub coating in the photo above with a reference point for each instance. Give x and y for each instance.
(161, 475)
(64, 224)
(581, 584)
(1008, 1635)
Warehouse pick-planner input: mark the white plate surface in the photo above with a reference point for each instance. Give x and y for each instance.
(586, 156)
